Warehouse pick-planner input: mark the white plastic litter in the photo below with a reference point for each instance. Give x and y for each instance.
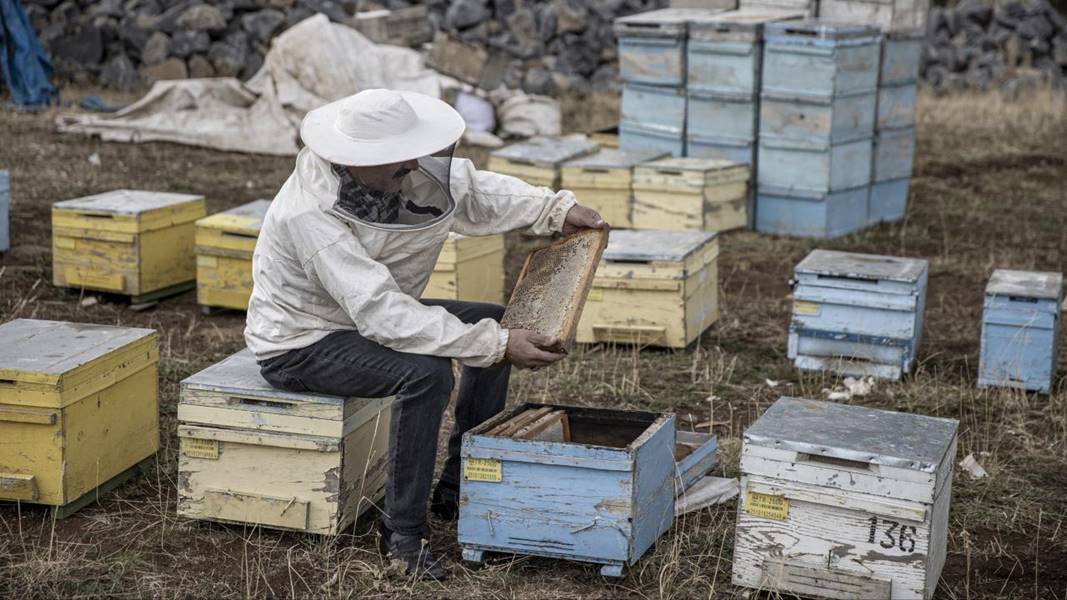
(975, 470)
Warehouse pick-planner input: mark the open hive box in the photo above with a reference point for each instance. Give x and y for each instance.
(584, 484)
(224, 245)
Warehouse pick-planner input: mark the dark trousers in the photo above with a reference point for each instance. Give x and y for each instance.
(345, 363)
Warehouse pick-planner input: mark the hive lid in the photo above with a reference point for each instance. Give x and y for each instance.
(613, 158)
(1028, 284)
(246, 218)
(854, 433)
(547, 151)
(239, 375)
(745, 19)
(664, 17)
(862, 266)
(628, 245)
(817, 32)
(702, 165)
(51, 352)
(129, 210)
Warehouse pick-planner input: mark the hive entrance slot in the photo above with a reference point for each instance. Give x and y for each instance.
(9, 382)
(97, 216)
(855, 278)
(247, 236)
(1022, 299)
(833, 461)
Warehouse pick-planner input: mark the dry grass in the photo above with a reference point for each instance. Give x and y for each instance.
(990, 190)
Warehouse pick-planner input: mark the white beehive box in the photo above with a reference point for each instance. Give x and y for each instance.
(250, 453)
(857, 314)
(843, 501)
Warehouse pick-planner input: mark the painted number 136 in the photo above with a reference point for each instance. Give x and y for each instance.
(894, 535)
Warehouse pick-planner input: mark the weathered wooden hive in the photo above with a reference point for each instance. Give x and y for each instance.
(538, 160)
(224, 245)
(887, 15)
(604, 182)
(857, 314)
(725, 55)
(250, 453)
(659, 288)
(843, 501)
(1020, 330)
(79, 410)
(5, 211)
(807, 7)
(894, 129)
(128, 242)
(469, 268)
(817, 112)
(584, 484)
(704, 194)
(652, 66)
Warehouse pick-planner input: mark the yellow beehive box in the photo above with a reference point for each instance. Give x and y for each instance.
(659, 288)
(249, 453)
(78, 410)
(706, 194)
(538, 160)
(604, 182)
(224, 245)
(126, 242)
(469, 268)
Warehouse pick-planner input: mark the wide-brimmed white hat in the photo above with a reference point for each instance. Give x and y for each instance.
(381, 127)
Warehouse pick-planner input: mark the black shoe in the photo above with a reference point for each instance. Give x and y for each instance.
(411, 550)
(445, 501)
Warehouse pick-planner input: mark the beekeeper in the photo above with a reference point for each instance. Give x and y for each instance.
(345, 251)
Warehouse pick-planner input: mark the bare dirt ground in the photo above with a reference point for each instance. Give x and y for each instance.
(990, 191)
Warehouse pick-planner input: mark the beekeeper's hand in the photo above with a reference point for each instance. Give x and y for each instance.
(530, 350)
(580, 217)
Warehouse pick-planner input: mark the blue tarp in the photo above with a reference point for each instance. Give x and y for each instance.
(24, 66)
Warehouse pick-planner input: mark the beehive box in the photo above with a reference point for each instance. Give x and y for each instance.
(691, 193)
(1020, 330)
(79, 410)
(654, 108)
(224, 245)
(250, 453)
(806, 7)
(659, 288)
(842, 501)
(538, 160)
(652, 46)
(796, 168)
(596, 485)
(469, 268)
(604, 182)
(5, 211)
(888, 15)
(551, 290)
(639, 138)
(817, 120)
(901, 56)
(128, 242)
(820, 59)
(896, 105)
(894, 150)
(725, 51)
(857, 314)
(803, 213)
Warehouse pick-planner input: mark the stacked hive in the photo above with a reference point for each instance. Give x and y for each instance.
(224, 245)
(652, 65)
(5, 207)
(817, 115)
(894, 126)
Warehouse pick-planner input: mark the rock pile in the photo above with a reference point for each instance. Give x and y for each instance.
(553, 45)
(1013, 45)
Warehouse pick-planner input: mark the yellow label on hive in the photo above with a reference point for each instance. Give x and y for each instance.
(482, 469)
(802, 307)
(767, 506)
(198, 448)
(595, 296)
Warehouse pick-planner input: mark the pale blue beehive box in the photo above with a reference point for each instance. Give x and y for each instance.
(896, 105)
(658, 108)
(810, 214)
(639, 138)
(894, 152)
(857, 314)
(603, 497)
(652, 47)
(820, 59)
(1020, 330)
(5, 210)
(901, 54)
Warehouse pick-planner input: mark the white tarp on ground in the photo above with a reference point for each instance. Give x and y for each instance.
(310, 64)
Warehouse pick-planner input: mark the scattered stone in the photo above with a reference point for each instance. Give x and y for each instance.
(172, 68)
(200, 67)
(84, 46)
(537, 81)
(156, 50)
(227, 59)
(119, 73)
(88, 301)
(261, 25)
(202, 17)
(186, 43)
(462, 14)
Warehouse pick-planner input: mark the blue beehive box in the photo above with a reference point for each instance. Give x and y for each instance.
(818, 58)
(896, 105)
(1020, 329)
(894, 151)
(5, 210)
(652, 46)
(817, 215)
(857, 314)
(639, 138)
(901, 54)
(584, 484)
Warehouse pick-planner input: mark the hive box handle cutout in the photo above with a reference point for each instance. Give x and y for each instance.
(842, 463)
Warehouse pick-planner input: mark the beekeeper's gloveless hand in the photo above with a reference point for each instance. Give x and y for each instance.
(527, 349)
